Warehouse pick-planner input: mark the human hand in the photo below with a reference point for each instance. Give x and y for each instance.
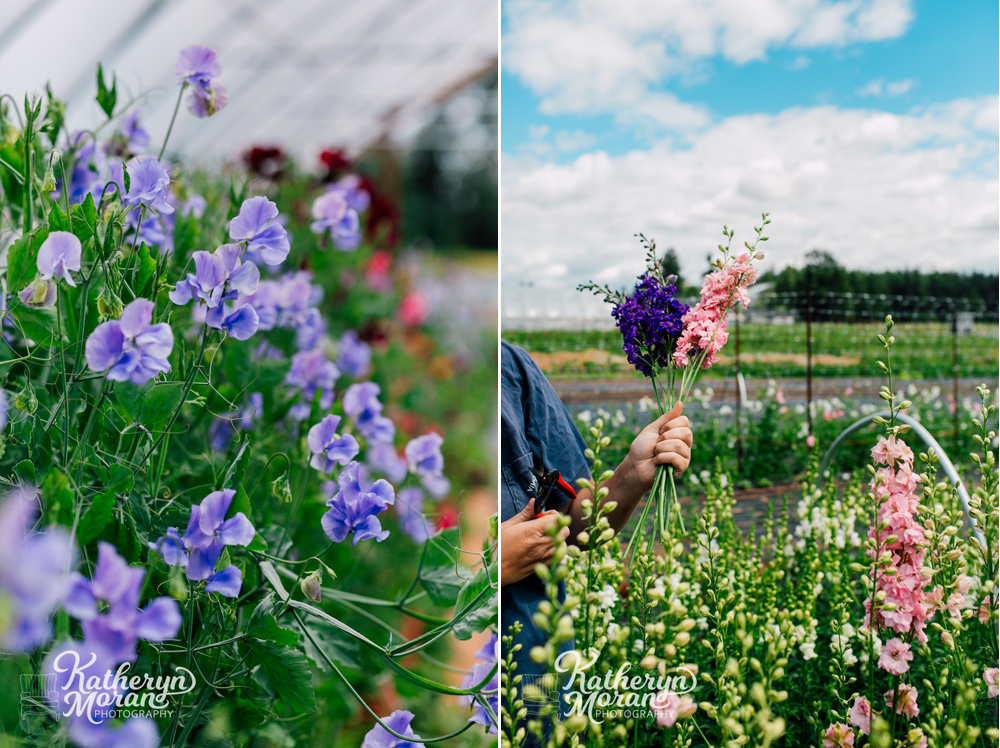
(666, 441)
(525, 543)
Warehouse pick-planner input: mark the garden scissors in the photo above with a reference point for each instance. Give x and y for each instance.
(550, 486)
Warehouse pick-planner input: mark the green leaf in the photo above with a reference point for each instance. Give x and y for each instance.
(486, 615)
(258, 543)
(145, 270)
(336, 644)
(85, 219)
(240, 503)
(130, 397)
(442, 584)
(22, 259)
(485, 577)
(106, 98)
(120, 478)
(288, 670)
(58, 498)
(25, 470)
(140, 511)
(264, 625)
(443, 548)
(38, 324)
(57, 219)
(160, 402)
(96, 517)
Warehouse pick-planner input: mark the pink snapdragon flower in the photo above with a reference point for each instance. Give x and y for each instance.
(906, 703)
(838, 735)
(670, 707)
(895, 657)
(705, 323)
(861, 715)
(992, 680)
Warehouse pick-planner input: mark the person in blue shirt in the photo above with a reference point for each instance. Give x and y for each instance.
(534, 426)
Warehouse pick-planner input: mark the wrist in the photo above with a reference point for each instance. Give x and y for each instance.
(628, 479)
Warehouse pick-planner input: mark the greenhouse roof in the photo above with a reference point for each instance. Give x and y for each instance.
(303, 74)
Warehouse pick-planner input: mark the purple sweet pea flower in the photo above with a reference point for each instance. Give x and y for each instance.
(118, 585)
(310, 330)
(90, 163)
(311, 371)
(437, 485)
(354, 356)
(330, 448)
(131, 349)
(39, 294)
(222, 429)
(333, 213)
(399, 721)
(219, 277)
(382, 456)
(34, 571)
(489, 653)
(257, 228)
(409, 507)
(424, 455)
(207, 533)
(60, 252)
(148, 181)
(197, 66)
(136, 137)
(151, 231)
(361, 404)
(350, 187)
(354, 506)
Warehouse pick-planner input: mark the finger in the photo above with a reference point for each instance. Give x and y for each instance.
(526, 514)
(663, 420)
(683, 434)
(674, 445)
(681, 422)
(564, 533)
(678, 461)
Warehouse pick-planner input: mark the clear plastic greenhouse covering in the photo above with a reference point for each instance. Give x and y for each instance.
(303, 74)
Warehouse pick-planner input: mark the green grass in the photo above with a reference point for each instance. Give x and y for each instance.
(922, 350)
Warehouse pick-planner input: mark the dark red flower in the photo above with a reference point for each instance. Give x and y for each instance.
(269, 162)
(335, 162)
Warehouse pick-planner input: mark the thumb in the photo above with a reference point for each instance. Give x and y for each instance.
(666, 418)
(526, 514)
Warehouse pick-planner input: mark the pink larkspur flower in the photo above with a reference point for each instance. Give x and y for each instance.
(670, 707)
(861, 715)
(906, 703)
(992, 680)
(895, 657)
(838, 735)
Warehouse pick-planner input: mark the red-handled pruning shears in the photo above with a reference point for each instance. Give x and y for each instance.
(550, 485)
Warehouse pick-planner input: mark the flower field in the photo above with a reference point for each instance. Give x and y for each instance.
(863, 614)
(249, 466)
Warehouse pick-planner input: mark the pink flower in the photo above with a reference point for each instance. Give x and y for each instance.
(810, 441)
(889, 450)
(915, 738)
(838, 735)
(414, 309)
(780, 397)
(861, 715)
(907, 701)
(986, 608)
(895, 657)
(848, 392)
(670, 707)
(992, 680)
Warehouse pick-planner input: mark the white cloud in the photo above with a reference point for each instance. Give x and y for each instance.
(604, 55)
(878, 190)
(575, 140)
(878, 88)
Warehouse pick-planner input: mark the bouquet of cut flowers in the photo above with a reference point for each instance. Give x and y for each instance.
(671, 343)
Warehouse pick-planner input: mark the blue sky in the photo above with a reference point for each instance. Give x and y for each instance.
(865, 127)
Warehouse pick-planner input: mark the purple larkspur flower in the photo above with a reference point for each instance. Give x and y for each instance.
(423, 454)
(328, 447)
(354, 357)
(333, 213)
(117, 585)
(361, 404)
(223, 428)
(208, 533)
(354, 506)
(488, 655)
(198, 66)
(409, 507)
(136, 137)
(39, 294)
(221, 276)
(34, 571)
(148, 181)
(83, 687)
(382, 456)
(312, 372)
(131, 348)
(256, 227)
(399, 721)
(60, 252)
(650, 321)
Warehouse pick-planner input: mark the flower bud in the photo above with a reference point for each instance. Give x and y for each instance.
(311, 586)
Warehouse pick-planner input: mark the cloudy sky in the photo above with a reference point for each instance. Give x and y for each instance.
(865, 127)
